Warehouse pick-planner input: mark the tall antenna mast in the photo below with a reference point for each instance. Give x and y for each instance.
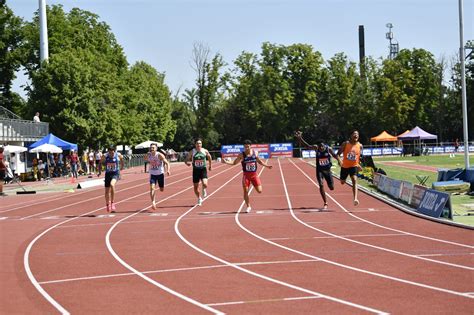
(393, 48)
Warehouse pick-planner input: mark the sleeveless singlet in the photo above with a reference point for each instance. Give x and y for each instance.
(156, 165)
(351, 155)
(111, 164)
(199, 159)
(323, 159)
(249, 163)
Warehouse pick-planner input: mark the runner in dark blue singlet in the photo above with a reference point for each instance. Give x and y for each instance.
(323, 164)
(111, 160)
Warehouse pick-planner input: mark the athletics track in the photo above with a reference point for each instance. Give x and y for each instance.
(62, 253)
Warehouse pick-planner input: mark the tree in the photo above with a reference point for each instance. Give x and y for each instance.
(10, 56)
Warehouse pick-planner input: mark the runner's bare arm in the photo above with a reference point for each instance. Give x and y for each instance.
(341, 149)
(235, 162)
(209, 159)
(331, 151)
(162, 157)
(259, 161)
(299, 136)
(188, 158)
(122, 165)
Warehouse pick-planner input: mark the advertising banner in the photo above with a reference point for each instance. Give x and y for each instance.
(433, 203)
(306, 154)
(395, 188)
(417, 195)
(406, 191)
(281, 150)
(262, 149)
(231, 150)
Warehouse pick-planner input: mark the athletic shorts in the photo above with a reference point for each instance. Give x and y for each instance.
(157, 179)
(348, 171)
(251, 177)
(2, 174)
(109, 177)
(324, 174)
(199, 174)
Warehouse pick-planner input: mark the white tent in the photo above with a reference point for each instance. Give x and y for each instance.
(147, 144)
(14, 149)
(47, 148)
(17, 163)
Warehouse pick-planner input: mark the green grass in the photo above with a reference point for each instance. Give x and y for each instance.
(439, 161)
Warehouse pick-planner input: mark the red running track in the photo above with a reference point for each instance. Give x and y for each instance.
(287, 256)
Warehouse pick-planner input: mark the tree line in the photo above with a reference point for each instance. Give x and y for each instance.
(92, 96)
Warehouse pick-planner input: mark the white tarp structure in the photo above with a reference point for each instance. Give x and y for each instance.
(147, 144)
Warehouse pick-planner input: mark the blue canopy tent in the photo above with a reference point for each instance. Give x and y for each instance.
(52, 139)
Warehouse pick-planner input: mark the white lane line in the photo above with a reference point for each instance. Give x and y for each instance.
(266, 300)
(54, 198)
(141, 274)
(87, 200)
(366, 244)
(350, 267)
(382, 226)
(445, 254)
(329, 237)
(176, 227)
(253, 263)
(26, 258)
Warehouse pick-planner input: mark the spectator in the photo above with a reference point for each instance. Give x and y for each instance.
(98, 164)
(36, 119)
(13, 163)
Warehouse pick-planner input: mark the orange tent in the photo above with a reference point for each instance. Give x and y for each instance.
(383, 137)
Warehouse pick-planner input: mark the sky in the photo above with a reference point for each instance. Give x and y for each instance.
(162, 33)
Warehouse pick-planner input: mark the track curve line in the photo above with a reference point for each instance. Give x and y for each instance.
(362, 243)
(26, 255)
(462, 294)
(236, 266)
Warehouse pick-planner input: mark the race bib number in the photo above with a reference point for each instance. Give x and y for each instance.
(323, 162)
(154, 165)
(251, 167)
(199, 163)
(351, 156)
(112, 167)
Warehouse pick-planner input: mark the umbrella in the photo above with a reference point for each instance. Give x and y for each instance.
(146, 144)
(14, 149)
(47, 148)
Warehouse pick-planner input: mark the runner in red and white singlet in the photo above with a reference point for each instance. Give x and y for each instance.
(249, 159)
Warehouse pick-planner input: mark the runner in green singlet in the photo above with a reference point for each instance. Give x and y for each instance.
(198, 158)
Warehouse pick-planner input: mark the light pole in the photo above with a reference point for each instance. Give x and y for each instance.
(463, 86)
(43, 31)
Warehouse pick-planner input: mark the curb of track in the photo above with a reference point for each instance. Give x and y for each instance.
(403, 207)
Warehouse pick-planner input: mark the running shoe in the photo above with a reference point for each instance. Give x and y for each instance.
(107, 207)
(248, 209)
(204, 193)
(325, 207)
(153, 205)
(112, 206)
(356, 202)
(199, 203)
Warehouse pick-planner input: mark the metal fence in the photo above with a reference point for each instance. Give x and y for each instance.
(22, 130)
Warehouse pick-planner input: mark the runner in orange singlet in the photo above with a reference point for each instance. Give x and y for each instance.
(351, 151)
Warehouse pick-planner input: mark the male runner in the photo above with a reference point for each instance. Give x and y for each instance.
(351, 151)
(157, 162)
(198, 157)
(111, 159)
(323, 164)
(249, 159)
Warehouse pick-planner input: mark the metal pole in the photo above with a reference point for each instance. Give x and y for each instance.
(43, 31)
(463, 86)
